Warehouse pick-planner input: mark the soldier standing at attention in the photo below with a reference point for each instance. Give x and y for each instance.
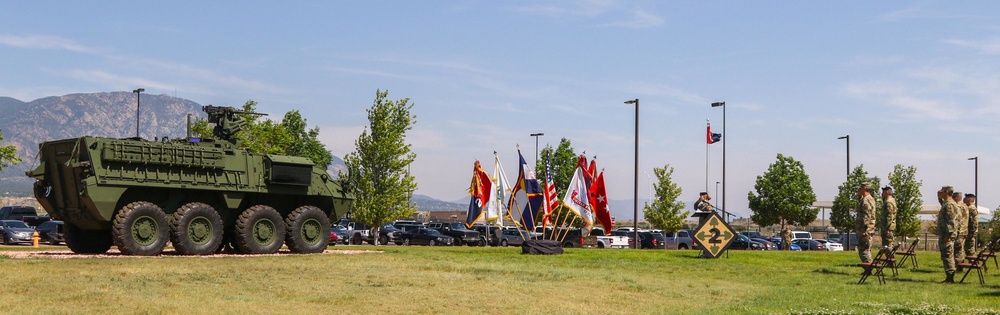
(961, 226)
(946, 232)
(889, 216)
(786, 239)
(865, 221)
(973, 229)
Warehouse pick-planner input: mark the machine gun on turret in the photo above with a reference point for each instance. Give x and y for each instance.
(227, 119)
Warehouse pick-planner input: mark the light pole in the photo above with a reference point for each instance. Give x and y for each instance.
(976, 192)
(536, 135)
(635, 183)
(138, 93)
(848, 138)
(725, 211)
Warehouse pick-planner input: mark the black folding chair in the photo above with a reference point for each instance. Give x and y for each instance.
(874, 267)
(889, 259)
(908, 254)
(977, 262)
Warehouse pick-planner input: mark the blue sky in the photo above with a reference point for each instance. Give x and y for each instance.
(912, 83)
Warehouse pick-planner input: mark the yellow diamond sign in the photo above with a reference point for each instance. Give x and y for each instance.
(714, 236)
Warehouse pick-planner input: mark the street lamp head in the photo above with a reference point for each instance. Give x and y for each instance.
(139, 90)
(974, 158)
(537, 134)
(844, 137)
(632, 101)
(717, 104)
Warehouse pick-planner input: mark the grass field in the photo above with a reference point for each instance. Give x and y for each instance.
(465, 280)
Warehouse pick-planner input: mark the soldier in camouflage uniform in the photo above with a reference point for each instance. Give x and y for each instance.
(946, 232)
(786, 239)
(973, 229)
(961, 226)
(865, 221)
(703, 206)
(888, 216)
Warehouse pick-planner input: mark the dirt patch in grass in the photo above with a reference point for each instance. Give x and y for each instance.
(61, 254)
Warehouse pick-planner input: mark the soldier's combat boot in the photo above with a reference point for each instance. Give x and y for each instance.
(949, 278)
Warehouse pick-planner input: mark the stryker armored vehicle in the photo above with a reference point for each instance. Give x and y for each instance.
(199, 194)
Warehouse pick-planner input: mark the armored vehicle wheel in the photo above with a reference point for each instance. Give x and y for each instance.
(260, 230)
(307, 230)
(196, 229)
(140, 228)
(82, 241)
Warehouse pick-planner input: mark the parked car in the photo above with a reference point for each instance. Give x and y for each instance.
(652, 240)
(26, 214)
(333, 238)
(807, 244)
(343, 235)
(832, 246)
(743, 242)
(777, 242)
(849, 240)
(514, 236)
(15, 231)
(801, 235)
(492, 233)
(752, 234)
(768, 245)
(389, 233)
(426, 236)
(458, 231)
(51, 232)
(681, 240)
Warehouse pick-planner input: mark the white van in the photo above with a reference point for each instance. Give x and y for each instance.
(801, 235)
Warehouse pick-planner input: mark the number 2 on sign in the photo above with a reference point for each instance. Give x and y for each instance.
(715, 236)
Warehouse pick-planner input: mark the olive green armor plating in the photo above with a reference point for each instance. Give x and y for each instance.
(202, 195)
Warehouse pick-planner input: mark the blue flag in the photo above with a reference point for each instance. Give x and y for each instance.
(534, 192)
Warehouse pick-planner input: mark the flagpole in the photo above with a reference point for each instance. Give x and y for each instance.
(555, 226)
(707, 151)
(568, 227)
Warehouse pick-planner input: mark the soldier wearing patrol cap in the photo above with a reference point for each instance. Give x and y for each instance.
(865, 221)
(703, 206)
(961, 226)
(973, 232)
(888, 216)
(946, 231)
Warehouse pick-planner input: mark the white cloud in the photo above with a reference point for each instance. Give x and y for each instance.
(990, 46)
(339, 139)
(640, 19)
(44, 42)
(589, 8)
(374, 73)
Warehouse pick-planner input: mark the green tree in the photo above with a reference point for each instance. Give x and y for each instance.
(288, 137)
(993, 227)
(784, 195)
(8, 155)
(564, 162)
(842, 215)
(665, 212)
(378, 168)
(906, 190)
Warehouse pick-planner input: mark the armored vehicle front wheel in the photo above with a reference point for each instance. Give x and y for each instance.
(82, 241)
(141, 228)
(307, 230)
(196, 229)
(260, 230)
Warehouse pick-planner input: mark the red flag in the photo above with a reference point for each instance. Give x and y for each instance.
(480, 189)
(708, 136)
(600, 205)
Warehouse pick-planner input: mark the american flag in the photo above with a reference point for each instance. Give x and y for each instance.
(551, 197)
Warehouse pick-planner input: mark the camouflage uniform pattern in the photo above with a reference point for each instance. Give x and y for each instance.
(946, 220)
(865, 227)
(786, 239)
(703, 206)
(961, 231)
(973, 229)
(889, 213)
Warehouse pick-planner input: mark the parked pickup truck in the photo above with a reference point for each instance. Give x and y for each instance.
(681, 240)
(357, 232)
(458, 231)
(24, 214)
(596, 239)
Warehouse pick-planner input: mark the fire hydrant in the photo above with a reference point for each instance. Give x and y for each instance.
(34, 239)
